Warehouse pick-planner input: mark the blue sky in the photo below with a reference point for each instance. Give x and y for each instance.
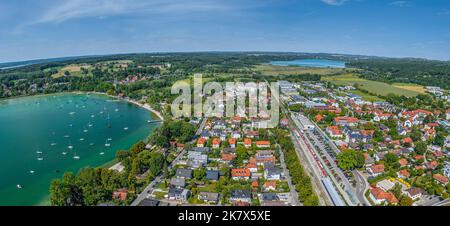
(32, 29)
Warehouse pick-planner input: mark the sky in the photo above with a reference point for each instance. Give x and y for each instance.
(32, 29)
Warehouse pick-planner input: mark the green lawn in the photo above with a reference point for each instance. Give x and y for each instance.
(379, 88)
(366, 96)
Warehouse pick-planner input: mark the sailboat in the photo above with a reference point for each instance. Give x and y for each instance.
(19, 186)
(76, 157)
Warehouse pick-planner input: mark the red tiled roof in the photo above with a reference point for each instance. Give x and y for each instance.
(216, 141)
(262, 142)
(407, 140)
(380, 194)
(228, 157)
(240, 172)
(403, 162)
(404, 173)
(440, 178)
(378, 168)
(346, 119)
(201, 140)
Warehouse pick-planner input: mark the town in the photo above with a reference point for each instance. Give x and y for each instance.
(356, 152)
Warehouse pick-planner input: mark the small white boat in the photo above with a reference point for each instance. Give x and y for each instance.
(64, 153)
(70, 147)
(92, 116)
(66, 136)
(91, 144)
(101, 112)
(52, 144)
(149, 121)
(72, 113)
(107, 145)
(40, 158)
(109, 139)
(19, 186)
(102, 153)
(81, 139)
(32, 171)
(126, 128)
(76, 157)
(38, 152)
(116, 109)
(85, 131)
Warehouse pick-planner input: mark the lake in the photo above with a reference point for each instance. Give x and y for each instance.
(42, 137)
(318, 63)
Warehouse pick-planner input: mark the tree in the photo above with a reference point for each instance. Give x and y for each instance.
(122, 154)
(65, 192)
(421, 147)
(406, 201)
(199, 173)
(137, 148)
(350, 159)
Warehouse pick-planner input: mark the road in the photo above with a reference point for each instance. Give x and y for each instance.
(294, 194)
(445, 202)
(362, 188)
(148, 190)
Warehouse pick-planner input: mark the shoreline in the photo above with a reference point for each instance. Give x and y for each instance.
(135, 102)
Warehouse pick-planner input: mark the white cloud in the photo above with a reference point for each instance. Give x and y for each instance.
(334, 2)
(73, 9)
(401, 3)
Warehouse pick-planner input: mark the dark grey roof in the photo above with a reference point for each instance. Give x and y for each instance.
(201, 149)
(186, 173)
(229, 150)
(212, 175)
(149, 202)
(269, 197)
(241, 194)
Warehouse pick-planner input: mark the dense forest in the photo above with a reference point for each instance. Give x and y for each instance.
(419, 71)
(38, 77)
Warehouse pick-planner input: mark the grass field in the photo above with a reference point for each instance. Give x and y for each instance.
(379, 88)
(366, 96)
(266, 69)
(75, 70)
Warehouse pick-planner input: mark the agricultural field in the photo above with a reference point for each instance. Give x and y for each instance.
(379, 88)
(410, 86)
(266, 69)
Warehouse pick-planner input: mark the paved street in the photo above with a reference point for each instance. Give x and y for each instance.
(294, 194)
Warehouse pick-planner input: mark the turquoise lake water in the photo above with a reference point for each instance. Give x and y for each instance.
(319, 63)
(42, 137)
